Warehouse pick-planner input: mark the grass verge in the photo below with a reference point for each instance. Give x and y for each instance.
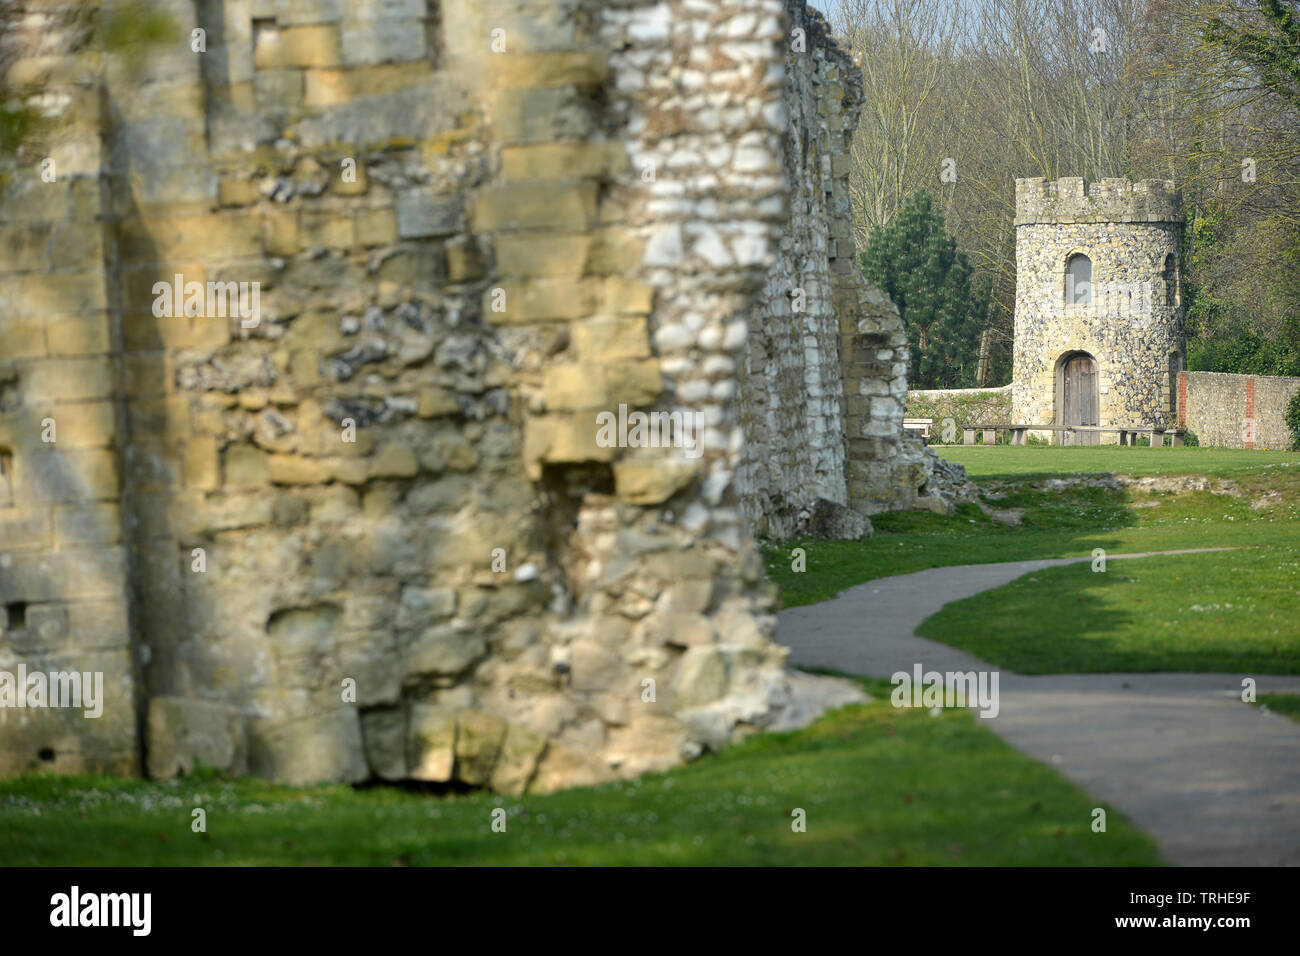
(880, 786)
(1223, 612)
(1288, 705)
(1008, 461)
(1055, 522)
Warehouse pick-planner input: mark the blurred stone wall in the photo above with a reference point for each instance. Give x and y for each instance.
(371, 528)
(824, 375)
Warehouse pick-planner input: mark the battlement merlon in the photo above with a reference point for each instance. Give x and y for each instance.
(1070, 199)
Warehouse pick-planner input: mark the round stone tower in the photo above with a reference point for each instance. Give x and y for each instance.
(1099, 334)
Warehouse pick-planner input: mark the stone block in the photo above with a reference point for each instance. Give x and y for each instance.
(541, 299)
(280, 228)
(297, 470)
(325, 748)
(338, 233)
(384, 732)
(81, 335)
(394, 461)
(517, 760)
(611, 337)
(278, 90)
(23, 339)
(444, 650)
(245, 466)
(651, 481)
(702, 678)
(464, 259)
(24, 529)
(479, 736)
(543, 254)
(573, 387)
(376, 227)
(327, 87)
(299, 46)
(431, 743)
(80, 524)
(623, 295)
(535, 206)
(237, 192)
(568, 437)
(299, 12)
(210, 237)
(562, 767)
(184, 733)
(383, 40)
(202, 464)
(633, 383)
(569, 160)
(593, 666)
(581, 68)
(49, 475)
(68, 379)
(422, 213)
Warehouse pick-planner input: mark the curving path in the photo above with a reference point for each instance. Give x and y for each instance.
(1213, 780)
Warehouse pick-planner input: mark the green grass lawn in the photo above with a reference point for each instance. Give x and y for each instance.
(1058, 523)
(1230, 612)
(1006, 461)
(880, 786)
(1288, 705)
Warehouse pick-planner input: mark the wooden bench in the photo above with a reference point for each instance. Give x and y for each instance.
(921, 425)
(992, 433)
(1128, 434)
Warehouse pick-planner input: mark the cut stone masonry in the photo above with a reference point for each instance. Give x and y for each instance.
(370, 532)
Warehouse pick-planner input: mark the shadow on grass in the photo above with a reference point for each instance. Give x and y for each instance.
(1226, 612)
(1052, 525)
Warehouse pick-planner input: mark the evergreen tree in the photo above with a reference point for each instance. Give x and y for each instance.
(944, 309)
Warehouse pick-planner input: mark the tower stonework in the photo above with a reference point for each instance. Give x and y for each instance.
(1120, 307)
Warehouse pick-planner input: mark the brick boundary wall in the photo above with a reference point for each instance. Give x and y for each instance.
(1218, 407)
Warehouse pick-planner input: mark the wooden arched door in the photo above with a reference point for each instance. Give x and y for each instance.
(1079, 398)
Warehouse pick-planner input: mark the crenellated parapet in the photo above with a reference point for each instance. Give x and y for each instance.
(1072, 200)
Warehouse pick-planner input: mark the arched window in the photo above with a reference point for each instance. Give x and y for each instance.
(1171, 281)
(1078, 280)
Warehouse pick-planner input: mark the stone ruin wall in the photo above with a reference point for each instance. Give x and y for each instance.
(1126, 229)
(826, 359)
(590, 218)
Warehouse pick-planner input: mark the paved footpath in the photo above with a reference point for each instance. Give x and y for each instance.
(1216, 782)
